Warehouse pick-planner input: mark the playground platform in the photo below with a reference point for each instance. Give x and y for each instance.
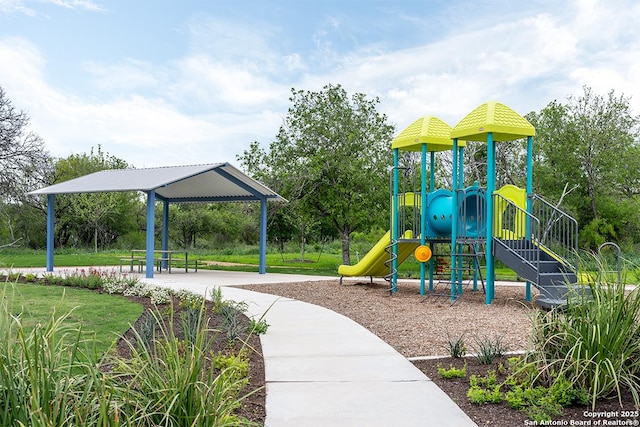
(322, 368)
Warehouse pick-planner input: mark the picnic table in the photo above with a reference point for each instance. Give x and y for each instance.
(162, 259)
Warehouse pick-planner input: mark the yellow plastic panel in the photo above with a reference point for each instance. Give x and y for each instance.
(518, 196)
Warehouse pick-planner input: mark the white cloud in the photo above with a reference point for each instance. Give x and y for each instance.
(233, 85)
(216, 86)
(15, 6)
(525, 63)
(77, 4)
(143, 130)
(23, 6)
(126, 76)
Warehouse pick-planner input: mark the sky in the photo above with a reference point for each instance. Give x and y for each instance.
(180, 82)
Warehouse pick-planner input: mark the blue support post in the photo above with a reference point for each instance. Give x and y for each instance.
(394, 224)
(151, 202)
(165, 230)
(423, 215)
(454, 220)
(262, 269)
(491, 185)
(50, 231)
(528, 195)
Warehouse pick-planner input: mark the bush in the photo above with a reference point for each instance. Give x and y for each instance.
(488, 348)
(452, 372)
(456, 346)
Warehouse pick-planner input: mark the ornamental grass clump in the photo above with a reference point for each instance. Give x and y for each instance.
(593, 342)
(44, 373)
(181, 382)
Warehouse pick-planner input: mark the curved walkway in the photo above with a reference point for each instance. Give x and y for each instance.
(322, 368)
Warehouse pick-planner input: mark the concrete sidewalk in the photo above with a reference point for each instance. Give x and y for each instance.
(323, 369)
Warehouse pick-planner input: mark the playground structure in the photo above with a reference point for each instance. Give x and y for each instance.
(472, 226)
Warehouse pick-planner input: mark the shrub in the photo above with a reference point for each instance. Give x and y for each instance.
(456, 346)
(452, 372)
(258, 327)
(488, 348)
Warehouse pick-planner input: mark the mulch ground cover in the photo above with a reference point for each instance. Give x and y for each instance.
(606, 412)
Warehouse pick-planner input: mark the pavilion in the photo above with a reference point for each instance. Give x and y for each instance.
(211, 183)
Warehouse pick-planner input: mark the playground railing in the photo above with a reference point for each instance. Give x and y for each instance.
(558, 231)
(517, 230)
(471, 214)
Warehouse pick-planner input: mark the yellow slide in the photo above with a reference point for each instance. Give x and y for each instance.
(373, 263)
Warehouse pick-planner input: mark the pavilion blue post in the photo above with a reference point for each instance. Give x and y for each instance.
(151, 202)
(432, 187)
(50, 231)
(423, 215)
(165, 230)
(454, 219)
(491, 185)
(528, 195)
(394, 224)
(262, 269)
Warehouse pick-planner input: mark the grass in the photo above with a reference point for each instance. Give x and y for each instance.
(105, 316)
(323, 263)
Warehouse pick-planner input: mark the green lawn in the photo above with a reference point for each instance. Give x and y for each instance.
(315, 263)
(106, 316)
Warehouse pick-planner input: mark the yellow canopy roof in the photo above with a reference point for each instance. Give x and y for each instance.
(426, 130)
(502, 121)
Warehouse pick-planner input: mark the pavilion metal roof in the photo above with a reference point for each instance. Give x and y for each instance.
(220, 182)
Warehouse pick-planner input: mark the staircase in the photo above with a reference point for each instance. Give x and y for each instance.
(540, 246)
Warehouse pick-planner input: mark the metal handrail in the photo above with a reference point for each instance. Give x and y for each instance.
(558, 232)
(519, 228)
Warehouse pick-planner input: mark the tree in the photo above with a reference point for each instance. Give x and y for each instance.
(95, 218)
(331, 159)
(591, 144)
(23, 159)
(24, 166)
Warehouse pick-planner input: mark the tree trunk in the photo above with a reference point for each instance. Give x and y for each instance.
(346, 256)
(95, 239)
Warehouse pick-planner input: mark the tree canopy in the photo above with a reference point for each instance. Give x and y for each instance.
(331, 159)
(590, 144)
(98, 218)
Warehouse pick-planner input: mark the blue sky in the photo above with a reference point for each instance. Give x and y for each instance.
(196, 81)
